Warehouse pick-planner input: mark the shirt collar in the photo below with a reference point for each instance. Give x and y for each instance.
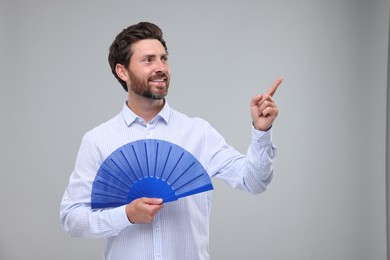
(130, 117)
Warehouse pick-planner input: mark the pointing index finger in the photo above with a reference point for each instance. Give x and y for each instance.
(271, 91)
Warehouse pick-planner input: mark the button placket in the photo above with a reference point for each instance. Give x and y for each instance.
(149, 130)
(157, 239)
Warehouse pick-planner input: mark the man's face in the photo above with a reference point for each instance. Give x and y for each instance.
(149, 72)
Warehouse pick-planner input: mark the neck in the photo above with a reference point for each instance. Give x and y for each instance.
(146, 108)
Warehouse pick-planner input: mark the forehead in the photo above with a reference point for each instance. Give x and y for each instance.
(148, 47)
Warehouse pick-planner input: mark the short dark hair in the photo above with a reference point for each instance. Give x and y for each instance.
(120, 49)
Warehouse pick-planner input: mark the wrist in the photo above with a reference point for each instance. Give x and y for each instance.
(260, 128)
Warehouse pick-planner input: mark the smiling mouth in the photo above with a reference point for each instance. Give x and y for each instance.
(158, 80)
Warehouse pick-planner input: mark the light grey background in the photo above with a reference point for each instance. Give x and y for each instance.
(328, 197)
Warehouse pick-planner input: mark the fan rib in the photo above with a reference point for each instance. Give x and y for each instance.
(165, 164)
(114, 177)
(146, 159)
(120, 169)
(181, 156)
(181, 175)
(131, 168)
(110, 196)
(136, 158)
(155, 161)
(185, 184)
(112, 186)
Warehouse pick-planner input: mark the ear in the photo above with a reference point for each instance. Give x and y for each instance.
(121, 71)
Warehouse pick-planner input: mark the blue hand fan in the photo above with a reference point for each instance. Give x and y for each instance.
(148, 168)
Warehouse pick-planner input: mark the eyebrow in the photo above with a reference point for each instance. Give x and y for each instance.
(154, 55)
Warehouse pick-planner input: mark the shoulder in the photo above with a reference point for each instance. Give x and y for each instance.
(106, 128)
(179, 118)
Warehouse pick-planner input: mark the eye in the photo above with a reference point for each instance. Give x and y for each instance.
(148, 59)
(164, 58)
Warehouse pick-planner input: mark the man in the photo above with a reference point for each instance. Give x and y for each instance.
(147, 228)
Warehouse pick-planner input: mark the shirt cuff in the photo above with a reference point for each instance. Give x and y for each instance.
(119, 218)
(262, 138)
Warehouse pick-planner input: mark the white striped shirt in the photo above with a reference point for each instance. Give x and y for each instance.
(180, 229)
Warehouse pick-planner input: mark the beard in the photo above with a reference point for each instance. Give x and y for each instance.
(141, 86)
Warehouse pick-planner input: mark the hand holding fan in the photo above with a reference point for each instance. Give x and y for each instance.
(148, 168)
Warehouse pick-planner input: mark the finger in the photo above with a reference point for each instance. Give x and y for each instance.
(271, 91)
(266, 100)
(256, 99)
(266, 106)
(270, 111)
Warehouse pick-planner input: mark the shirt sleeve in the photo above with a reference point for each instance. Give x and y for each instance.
(76, 216)
(252, 172)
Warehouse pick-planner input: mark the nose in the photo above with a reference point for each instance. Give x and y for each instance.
(161, 66)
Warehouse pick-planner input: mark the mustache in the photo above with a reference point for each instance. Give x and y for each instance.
(161, 75)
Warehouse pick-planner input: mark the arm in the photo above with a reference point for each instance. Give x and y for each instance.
(76, 216)
(251, 172)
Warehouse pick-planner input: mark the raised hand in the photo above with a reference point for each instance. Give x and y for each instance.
(263, 108)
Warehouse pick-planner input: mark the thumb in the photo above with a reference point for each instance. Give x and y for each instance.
(152, 201)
